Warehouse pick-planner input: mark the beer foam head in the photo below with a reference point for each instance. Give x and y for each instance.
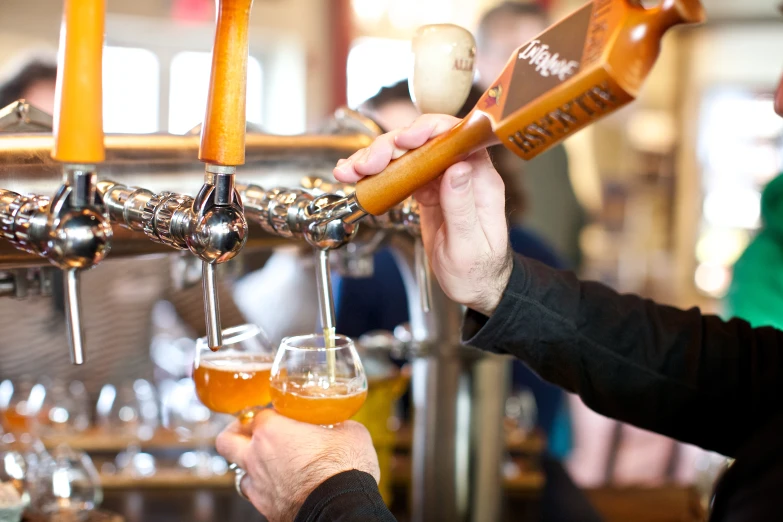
(238, 362)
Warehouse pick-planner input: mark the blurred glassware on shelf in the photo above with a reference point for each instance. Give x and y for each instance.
(27, 445)
(172, 347)
(521, 407)
(183, 413)
(14, 396)
(57, 408)
(65, 486)
(130, 411)
(14, 494)
(521, 420)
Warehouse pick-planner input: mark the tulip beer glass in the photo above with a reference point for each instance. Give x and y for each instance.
(235, 378)
(318, 384)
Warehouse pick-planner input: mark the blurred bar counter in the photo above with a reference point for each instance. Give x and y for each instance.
(174, 494)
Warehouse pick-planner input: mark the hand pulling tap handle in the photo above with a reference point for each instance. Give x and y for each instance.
(580, 69)
(78, 230)
(440, 83)
(223, 148)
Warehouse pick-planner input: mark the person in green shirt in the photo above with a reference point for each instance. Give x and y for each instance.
(756, 290)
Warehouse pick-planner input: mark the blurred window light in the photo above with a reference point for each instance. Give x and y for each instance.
(131, 83)
(374, 63)
(712, 280)
(721, 246)
(756, 162)
(190, 85)
(733, 207)
(409, 14)
(370, 10)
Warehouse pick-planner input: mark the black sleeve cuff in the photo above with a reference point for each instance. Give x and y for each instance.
(481, 331)
(346, 497)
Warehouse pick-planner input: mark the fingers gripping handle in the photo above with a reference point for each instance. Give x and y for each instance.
(78, 107)
(403, 176)
(223, 133)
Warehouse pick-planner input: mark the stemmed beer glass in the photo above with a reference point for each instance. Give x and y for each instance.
(234, 379)
(318, 383)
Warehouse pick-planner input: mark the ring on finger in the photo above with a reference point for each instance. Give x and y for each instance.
(239, 474)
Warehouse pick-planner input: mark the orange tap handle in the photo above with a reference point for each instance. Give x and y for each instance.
(78, 102)
(582, 68)
(223, 132)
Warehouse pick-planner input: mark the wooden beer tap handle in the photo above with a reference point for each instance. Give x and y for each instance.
(580, 69)
(78, 106)
(223, 132)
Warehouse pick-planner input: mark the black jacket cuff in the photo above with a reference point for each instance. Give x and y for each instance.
(346, 497)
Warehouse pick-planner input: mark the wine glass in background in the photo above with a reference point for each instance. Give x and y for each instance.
(235, 379)
(183, 413)
(13, 404)
(65, 486)
(131, 412)
(522, 410)
(521, 421)
(315, 383)
(14, 494)
(57, 408)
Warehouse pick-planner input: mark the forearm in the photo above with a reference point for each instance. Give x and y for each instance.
(680, 373)
(351, 496)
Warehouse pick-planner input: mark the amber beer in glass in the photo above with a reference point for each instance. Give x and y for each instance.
(235, 378)
(305, 387)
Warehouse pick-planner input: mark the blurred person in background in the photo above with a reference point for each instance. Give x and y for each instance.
(33, 82)
(550, 207)
(756, 290)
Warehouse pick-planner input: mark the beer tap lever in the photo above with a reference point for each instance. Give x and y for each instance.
(72, 228)
(78, 224)
(220, 228)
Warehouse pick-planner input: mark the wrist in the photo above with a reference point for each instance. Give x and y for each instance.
(496, 284)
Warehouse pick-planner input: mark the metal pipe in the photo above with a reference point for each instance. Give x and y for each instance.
(458, 396)
(169, 162)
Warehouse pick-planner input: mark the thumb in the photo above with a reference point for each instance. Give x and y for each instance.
(458, 203)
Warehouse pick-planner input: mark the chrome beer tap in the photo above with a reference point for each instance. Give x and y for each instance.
(72, 228)
(212, 225)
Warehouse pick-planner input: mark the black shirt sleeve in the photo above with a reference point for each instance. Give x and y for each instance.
(677, 372)
(350, 496)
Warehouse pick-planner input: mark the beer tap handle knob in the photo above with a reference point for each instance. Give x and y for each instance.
(443, 63)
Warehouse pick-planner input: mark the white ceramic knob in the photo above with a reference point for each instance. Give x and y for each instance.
(443, 56)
